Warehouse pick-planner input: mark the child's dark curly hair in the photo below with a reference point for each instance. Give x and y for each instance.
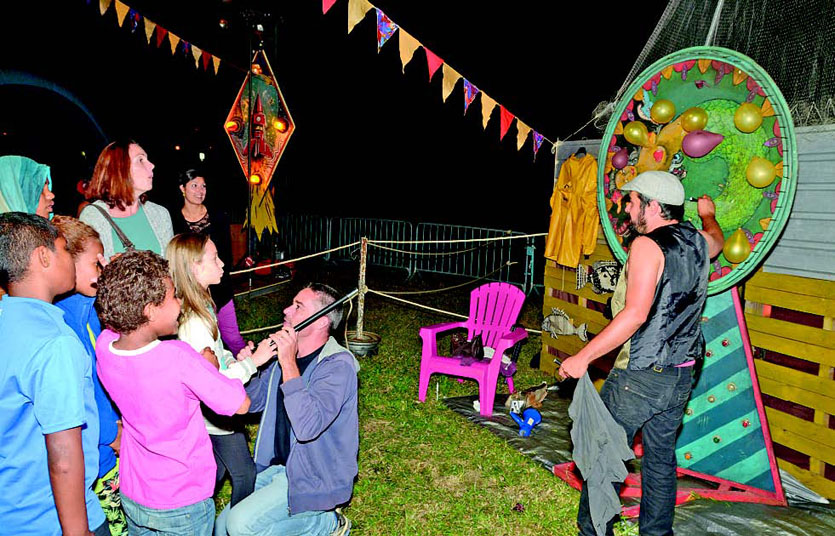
(127, 285)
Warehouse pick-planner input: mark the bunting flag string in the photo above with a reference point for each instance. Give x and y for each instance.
(357, 11)
(123, 11)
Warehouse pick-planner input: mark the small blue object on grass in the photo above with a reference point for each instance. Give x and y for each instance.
(530, 418)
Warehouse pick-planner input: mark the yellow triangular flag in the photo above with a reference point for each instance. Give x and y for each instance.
(104, 4)
(196, 53)
(121, 12)
(451, 76)
(149, 29)
(216, 62)
(357, 10)
(173, 40)
(522, 131)
(408, 45)
(487, 105)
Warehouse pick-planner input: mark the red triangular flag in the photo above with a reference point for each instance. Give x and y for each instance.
(206, 59)
(507, 118)
(433, 62)
(326, 5)
(160, 34)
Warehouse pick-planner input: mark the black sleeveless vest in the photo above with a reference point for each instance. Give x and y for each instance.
(672, 333)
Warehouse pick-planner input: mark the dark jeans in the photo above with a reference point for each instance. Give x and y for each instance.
(653, 401)
(232, 455)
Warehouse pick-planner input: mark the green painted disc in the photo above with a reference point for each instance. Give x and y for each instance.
(723, 93)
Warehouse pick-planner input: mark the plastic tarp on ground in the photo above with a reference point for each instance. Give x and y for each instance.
(550, 444)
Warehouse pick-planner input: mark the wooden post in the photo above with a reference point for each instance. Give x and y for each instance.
(362, 287)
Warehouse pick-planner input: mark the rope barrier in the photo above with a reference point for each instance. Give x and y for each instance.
(422, 253)
(470, 282)
(247, 332)
(514, 237)
(432, 308)
(292, 260)
(261, 288)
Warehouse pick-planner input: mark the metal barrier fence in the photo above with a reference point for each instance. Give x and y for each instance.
(305, 234)
(352, 229)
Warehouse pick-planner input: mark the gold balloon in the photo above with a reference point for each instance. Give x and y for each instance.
(694, 119)
(636, 133)
(760, 172)
(737, 248)
(663, 111)
(748, 117)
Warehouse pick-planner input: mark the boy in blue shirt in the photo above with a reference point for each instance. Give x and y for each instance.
(87, 253)
(46, 390)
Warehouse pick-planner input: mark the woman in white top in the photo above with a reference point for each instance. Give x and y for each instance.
(194, 265)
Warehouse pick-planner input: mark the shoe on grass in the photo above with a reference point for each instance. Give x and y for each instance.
(343, 524)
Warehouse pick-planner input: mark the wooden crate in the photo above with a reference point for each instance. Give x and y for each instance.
(790, 323)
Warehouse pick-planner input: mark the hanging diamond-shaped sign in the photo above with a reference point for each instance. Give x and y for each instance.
(259, 126)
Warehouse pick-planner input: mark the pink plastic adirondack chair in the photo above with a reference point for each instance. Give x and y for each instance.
(494, 308)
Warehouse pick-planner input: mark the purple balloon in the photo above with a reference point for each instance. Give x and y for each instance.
(698, 143)
(620, 159)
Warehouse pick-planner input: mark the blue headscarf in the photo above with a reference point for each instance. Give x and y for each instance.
(21, 183)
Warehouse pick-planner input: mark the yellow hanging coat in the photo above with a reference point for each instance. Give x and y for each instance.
(574, 221)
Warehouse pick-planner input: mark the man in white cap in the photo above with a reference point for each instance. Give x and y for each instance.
(657, 313)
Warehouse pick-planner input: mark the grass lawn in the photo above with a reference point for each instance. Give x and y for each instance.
(424, 469)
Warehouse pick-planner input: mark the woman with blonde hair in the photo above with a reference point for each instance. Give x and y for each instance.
(121, 212)
(194, 266)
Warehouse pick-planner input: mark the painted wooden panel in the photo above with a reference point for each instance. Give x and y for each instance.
(803, 436)
(803, 397)
(792, 331)
(794, 378)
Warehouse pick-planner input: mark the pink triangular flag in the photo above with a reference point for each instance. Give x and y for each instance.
(149, 29)
(487, 105)
(522, 131)
(506, 119)
(121, 12)
(326, 5)
(104, 4)
(451, 76)
(357, 9)
(432, 62)
(408, 45)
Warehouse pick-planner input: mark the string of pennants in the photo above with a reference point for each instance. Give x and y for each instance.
(386, 28)
(135, 19)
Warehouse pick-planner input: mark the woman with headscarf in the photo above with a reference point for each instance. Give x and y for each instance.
(121, 180)
(25, 186)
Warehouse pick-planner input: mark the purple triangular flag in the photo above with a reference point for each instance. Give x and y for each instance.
(537, 142)
(385, 29)
(470, 91)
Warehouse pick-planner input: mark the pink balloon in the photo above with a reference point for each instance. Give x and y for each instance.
(698, 143)
(620, 159)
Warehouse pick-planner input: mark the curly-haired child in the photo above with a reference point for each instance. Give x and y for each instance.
(167, 468)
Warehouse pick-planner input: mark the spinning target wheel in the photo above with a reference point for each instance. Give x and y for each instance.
(716, 120)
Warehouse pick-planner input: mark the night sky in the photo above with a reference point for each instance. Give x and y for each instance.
(369, 140)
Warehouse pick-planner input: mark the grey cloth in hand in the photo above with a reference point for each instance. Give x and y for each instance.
(600, 448)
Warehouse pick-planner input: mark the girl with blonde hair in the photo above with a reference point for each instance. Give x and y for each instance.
(194, 266)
